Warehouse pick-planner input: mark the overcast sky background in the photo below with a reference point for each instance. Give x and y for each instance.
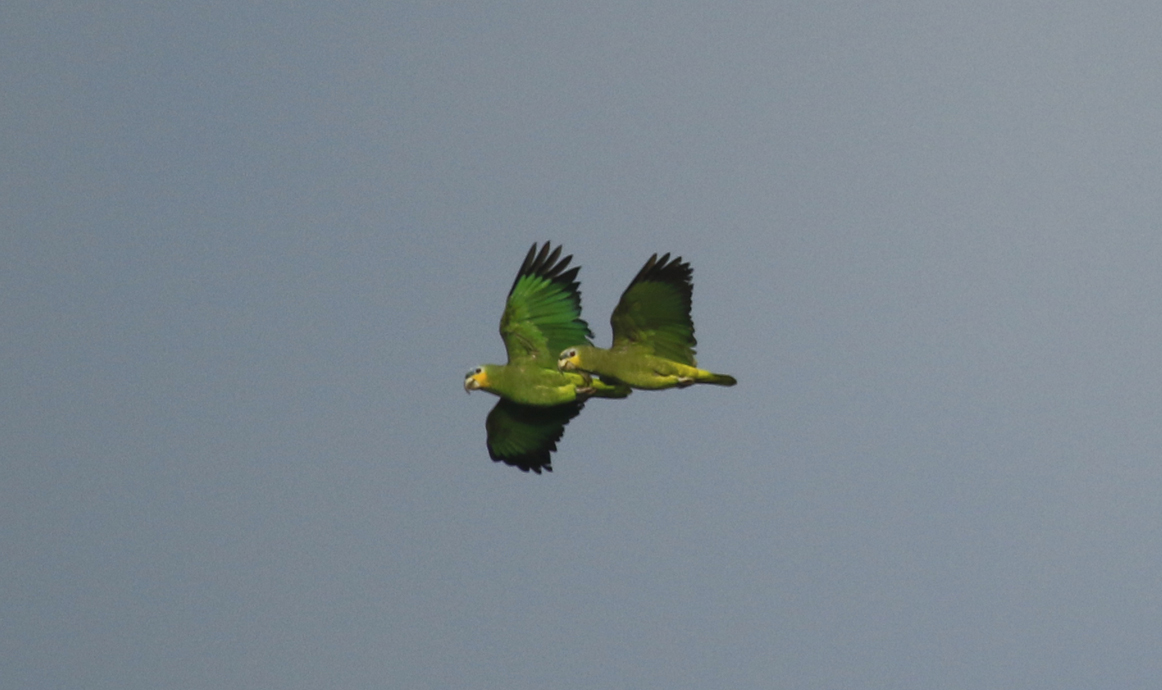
(249, 251)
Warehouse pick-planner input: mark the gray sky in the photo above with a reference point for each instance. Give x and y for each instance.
(250, 250)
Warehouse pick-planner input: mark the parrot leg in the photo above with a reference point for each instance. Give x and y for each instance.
(587, 389)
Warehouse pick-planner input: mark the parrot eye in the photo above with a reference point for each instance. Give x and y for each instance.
(478, 370)
(571, 353)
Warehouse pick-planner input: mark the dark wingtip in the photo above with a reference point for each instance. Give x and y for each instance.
(526, 467)
(534, 462)
(665, 270)
(545, 264)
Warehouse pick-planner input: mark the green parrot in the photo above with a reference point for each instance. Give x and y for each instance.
(653, 335)
(541, 316)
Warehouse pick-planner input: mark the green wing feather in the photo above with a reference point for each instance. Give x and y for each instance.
(543, 313)
(654, 311)
(525, 436)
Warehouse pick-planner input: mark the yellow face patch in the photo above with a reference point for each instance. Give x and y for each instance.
(568, 362)
(479, 377)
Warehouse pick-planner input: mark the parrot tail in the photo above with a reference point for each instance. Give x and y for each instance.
(717, 379)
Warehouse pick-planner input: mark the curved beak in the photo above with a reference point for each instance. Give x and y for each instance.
(475, 381)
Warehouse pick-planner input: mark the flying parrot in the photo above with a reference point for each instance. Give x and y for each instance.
(541, 316)
(653, 335)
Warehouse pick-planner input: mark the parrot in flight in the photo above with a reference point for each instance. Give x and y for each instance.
(653, 334)
(541, 316)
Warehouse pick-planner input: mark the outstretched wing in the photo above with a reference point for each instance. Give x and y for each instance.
(654, 310)
(543, 312)
(525, 436)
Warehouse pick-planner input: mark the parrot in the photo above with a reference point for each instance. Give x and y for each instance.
(653, 335)
(541, 315)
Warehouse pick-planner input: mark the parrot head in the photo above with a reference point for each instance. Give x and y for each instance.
(476, 379)
(569, 360)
